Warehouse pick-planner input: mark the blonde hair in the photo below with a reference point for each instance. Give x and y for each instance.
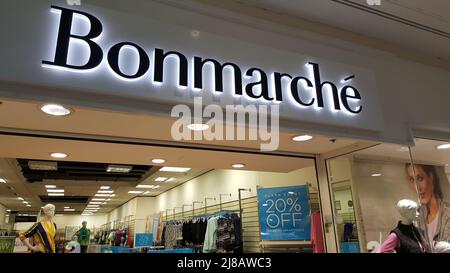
(49, 211)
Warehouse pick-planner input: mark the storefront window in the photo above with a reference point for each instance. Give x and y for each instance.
(429, 175)
(366, 188)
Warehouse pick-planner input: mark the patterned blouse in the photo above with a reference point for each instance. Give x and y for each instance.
(43, 234)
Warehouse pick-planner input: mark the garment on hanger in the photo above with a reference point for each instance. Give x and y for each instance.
(317, 233)
(210, 243)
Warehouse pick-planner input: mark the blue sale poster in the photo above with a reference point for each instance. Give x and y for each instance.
(284, 213)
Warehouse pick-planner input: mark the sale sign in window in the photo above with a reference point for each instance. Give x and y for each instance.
(284, 213)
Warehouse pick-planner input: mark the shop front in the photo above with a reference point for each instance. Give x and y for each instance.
(169, 128)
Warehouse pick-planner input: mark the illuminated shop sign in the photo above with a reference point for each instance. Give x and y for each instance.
(304, 91)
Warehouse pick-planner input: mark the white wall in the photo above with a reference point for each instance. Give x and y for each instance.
(69, 221)
(211, 184)
(2, 215)
(228, 181)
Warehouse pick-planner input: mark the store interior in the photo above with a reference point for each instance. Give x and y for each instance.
(120, 175)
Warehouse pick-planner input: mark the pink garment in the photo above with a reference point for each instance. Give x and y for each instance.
(390, 244)
(317, 233)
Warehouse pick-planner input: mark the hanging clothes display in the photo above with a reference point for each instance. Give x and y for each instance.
(223, 234)
(317, 233)
(172, 234)
(193, 231)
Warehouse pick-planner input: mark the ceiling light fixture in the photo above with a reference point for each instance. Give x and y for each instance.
(145, 186)
(25, 202)
(8, 210)
(20, 198)
(98, 199)
(29, 205)
(108, 199)
(95, 203)
(160, 179)
(55, 190)
(376, 174)
(158, 161)
(2, 180)
(119, 169)
(100, 191)
(238, 165)
(135, 192)
(156, 187)
(102, 195)
(147, 192)
(198, 127)
(174, 169)
(170, 179)
(58, 155)
(67, 207)
(55, 110)
(302, 138)
(105, 187)
(55, 194)
(112, 195)
(94, 206)
(443, 146)
(50, 186)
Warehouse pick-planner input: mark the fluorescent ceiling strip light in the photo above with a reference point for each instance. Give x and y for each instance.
(50, 186)
(135, 192)
(55, 190)
(105, 187)
(145, 186)
(102, 195)
(105, 191)
(174, 169)
(56, 194)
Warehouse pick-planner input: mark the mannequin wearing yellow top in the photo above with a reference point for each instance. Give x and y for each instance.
(43, 232)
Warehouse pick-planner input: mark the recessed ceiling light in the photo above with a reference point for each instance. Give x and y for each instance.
(98, 199)
(2, 180)
(100, 191)
(145, 186)
(170, 179)
(376, 174)
(174, 169)
(55, 194)
(86, 214)
(135, 192)
(157, 186)
(20, 198)
(7, 215)
(29, 205)
(95, 203)
(102, 195)
(105, 187)
(302, 138)
(25, 202)
(160, 179)
(119, 169)
(112, 195)
(443, 146)
(146, 192)
(55, 190)
(67, 207)
(50, 186)
(238, 165)
(8, 210)
(94, 206)
(198, 127)
(109, 199)
(158, 161)
(58, 155)
(55, 110)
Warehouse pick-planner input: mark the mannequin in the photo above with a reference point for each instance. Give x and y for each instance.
(406, 238)
(43, 232)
